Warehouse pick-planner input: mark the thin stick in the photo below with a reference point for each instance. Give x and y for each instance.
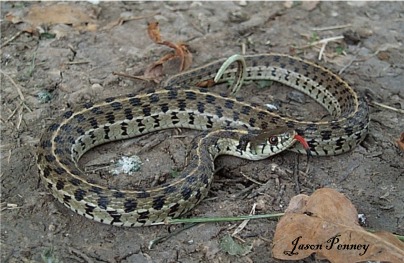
(15, 85)
(14, 111)
(220, 219)
(20, 111)
(245, 222)
(322, 41)
(76, 62)
(11, 39)
(131, 77)
(347, 65)
(330, 27)
(251, 179)
(386, 107)
(320, 54)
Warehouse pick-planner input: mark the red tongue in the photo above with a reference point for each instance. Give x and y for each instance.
(304, 143)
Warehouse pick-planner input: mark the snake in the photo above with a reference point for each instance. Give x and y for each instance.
(229, 125)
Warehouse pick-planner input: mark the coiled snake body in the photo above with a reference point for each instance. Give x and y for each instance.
(237, 130)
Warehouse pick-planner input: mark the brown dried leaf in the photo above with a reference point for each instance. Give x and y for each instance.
(56, 13)
(59, 14)
(154, 32)
(400, 142)
(169, 64)
(326, 224)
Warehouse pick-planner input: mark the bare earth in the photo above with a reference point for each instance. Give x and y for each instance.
(35, 226)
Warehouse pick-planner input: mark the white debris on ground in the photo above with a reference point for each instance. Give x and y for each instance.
(127, 165)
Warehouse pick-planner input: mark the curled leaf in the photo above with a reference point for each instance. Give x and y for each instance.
(326, 224)
(154, 32)
(172, 63)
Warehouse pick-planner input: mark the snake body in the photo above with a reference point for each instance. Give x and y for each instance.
(182, 102)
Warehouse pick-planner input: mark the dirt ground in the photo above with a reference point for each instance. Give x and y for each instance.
(78, 67)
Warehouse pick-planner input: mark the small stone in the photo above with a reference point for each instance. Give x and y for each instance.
(296, 96)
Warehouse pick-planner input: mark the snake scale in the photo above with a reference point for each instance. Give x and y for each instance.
(236, 127)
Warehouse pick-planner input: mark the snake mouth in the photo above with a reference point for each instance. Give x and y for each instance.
(304, 143)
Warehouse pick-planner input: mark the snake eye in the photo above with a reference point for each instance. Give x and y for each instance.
(273, 140)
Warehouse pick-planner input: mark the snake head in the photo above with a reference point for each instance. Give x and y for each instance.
(272, 141)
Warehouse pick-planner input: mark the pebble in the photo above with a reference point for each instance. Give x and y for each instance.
(296, 96)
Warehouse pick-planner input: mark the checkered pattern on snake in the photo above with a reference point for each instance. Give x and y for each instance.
(179, 102)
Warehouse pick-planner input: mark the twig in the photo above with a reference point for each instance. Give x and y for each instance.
(81, 254)
(322, 41)
(245, 222)
(386, 107)
(19, 117)
(76, 62)
(347, 65)
(251, 179)
(11, 39)
(320, 54)
(330, 27)
(15, 85)
(166, 237)
(14, 111)
(132, 77)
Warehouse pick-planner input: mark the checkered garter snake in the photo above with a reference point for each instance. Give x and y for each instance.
(236, 128)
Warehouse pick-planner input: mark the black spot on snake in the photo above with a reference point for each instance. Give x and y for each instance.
(66, 199)
(93, 122)
(116, 217)
(53, 127)
(143, 215)
(110, 117)
(50, 158)
(164, 107)
(103, 202)
(88, 105)
(173, 209)
(186, 192)
(97, 111)
(110, 99)
(130, 205)
(143, 194)
(116, 105)
(75, 181)
(118, 194)
(146, 111)
(210, 99)
(60, 185)
(245, 110)
(60, 170)
(79, 194)
(229, 104)
(80, 131)
(46, 144)
(79, 118)
(158, 202)
(89, 209)
(170, 189)
(190, 95)
(201, 107)
(134, 101)
(67, 114)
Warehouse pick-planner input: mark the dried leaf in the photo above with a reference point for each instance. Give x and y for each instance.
(326, 224)
(56, 13)
(154, 32)
(169, 64)
(400, 142)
